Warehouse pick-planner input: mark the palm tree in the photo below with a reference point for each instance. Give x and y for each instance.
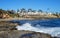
(34, 11)
(30, 10)
(0, 9)
(11, 11)
(48, 9)
(23, 10)
(40, 10)
(56, 14)
(18, 11)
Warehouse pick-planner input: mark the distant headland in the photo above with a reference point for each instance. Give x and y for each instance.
(27, 14)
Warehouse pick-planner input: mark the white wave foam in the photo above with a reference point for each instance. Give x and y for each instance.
(53, 31)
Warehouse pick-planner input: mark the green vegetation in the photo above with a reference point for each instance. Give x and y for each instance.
(11, 13)
(14, 14)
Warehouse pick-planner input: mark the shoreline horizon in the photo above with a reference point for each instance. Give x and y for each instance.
(8, 19)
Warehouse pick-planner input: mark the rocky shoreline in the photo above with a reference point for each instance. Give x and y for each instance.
(22, 34)
(8, 30)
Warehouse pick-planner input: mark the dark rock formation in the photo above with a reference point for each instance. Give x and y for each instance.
(22, 34)
(4, 26)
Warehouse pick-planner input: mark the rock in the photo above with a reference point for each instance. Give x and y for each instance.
(55, 37)
(4, 26)
(22, 34)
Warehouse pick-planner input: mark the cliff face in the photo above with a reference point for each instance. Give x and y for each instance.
(22, 34)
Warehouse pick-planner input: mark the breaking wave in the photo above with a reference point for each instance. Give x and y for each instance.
(50, 26)
(54, 31)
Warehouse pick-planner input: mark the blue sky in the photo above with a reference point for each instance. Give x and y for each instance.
(53, 5)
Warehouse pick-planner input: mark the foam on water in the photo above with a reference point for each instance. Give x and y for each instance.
(54, 31)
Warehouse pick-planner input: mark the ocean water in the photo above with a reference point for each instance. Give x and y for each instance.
(50, 26)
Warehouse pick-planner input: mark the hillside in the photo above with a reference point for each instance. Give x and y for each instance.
(11, 14)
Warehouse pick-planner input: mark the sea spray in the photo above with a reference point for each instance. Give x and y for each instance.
(54, 31)
(28, 26)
